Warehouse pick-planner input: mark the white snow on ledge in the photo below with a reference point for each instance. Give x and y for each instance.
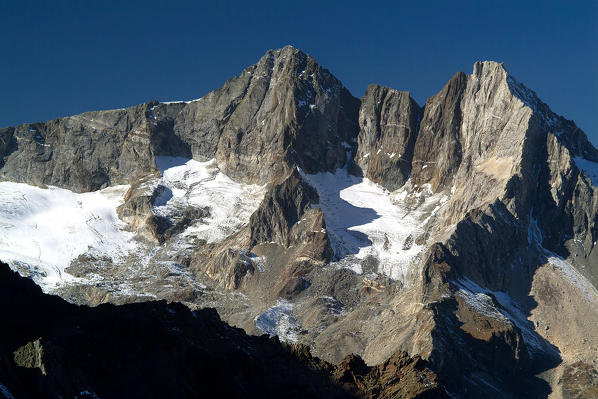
(181, 101)
(509, 311)
(589, 168)
(575, 277)
(47, 228)
(363, 219)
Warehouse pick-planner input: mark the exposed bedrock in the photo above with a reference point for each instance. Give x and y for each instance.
(388, 121)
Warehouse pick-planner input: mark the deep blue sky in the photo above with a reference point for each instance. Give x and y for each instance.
(65, 57)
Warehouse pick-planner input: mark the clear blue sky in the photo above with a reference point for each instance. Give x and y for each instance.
(65, 57)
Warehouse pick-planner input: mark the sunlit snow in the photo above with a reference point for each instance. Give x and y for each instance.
(201, 184)
(574, 276)
(279, 321)
(363, 219)
(48, 228)
(479, 299)
(44, 230)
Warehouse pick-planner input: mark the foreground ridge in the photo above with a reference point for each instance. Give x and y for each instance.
(56, 349)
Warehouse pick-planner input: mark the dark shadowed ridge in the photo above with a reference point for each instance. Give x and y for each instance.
(50, 348)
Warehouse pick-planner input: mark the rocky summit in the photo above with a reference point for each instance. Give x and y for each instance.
(442, 249)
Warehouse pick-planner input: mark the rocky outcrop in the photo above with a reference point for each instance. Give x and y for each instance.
(515, 198)
(285, 216)
(138, 212)
(291, 112)
(388, 122)
(380, 381)
(580, 381)
(84, 152)
(55, 349)
(566, 206)
(285, 220)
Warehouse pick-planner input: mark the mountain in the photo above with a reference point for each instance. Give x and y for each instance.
(461, 231)
(284, 111)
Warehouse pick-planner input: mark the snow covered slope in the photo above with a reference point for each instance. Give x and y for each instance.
(44, 230)
(363, 219)
(201, 184)
(47, 228)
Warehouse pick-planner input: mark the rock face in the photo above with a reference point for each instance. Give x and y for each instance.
(388, 121)
(483, 201)
(284, 226)
(439, 130)
(84, 152)
(55, 349)
(283, 206)
(291, 112)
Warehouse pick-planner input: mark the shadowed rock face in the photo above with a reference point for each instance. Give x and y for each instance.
(388, 121)
(437, 153)
(54, 349)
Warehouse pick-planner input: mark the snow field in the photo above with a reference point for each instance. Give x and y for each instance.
(48, 228)
(363, 219)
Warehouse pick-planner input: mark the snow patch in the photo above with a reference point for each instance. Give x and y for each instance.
(354, 267)
(479, 299)
(44, 230)
(589, 168)
(279, 321)
(534, 234)
(334, 306)
(258, 261)
(181, 101)
(253, 259)
(202, 184)
(574, 276)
